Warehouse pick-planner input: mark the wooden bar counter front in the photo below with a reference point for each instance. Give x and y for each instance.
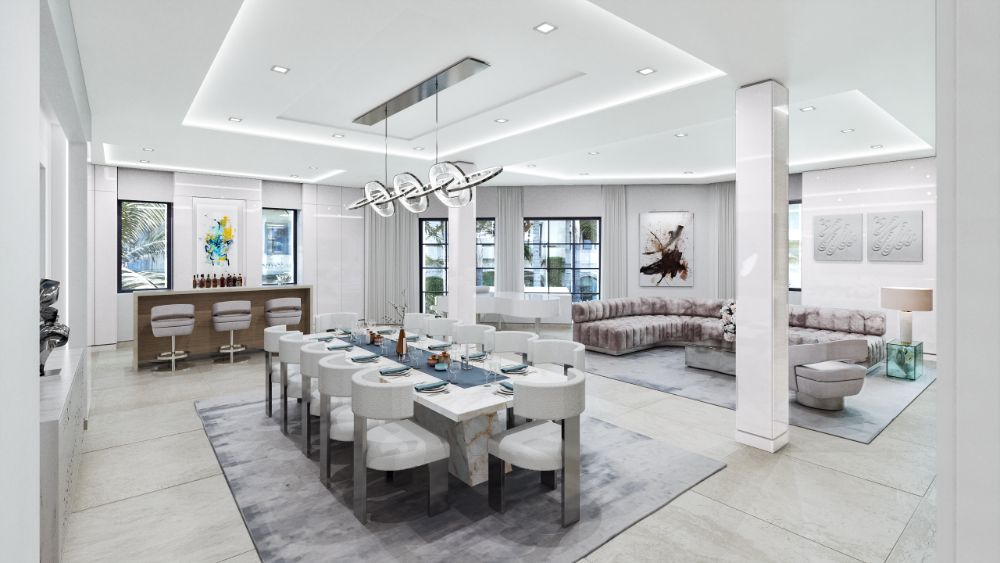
(204, 340)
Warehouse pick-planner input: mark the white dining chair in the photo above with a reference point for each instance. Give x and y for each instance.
(272, 335)
(309, 359)
(336, 321)
(397, 445)
(416, 323)
(289, 352)
(441, 328)
(481, 335)
(514, 342)
(549, 443)
(566, 353)
(336, 418)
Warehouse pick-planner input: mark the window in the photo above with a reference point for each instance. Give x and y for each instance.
(563, 256)
(434, 257)
(144, 231)
(795, 245)
(279, 247)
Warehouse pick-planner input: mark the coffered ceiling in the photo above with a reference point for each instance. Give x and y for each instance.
(193, 81)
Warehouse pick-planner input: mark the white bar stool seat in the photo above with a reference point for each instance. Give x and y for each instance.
(173, 321)
(230, 316)
(283, 311)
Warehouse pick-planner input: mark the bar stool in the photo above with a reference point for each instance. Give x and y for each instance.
(283, 311)
(441, 328)
(397, 445)
(309, 358)
(231, 316)
(272, 336)
(289, 352)
(172, 321)
(336, 418)
(549, 443)
(566, 353)
(335, 321)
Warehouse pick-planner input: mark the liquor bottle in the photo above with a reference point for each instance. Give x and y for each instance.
(194, 281)
(214, 282)
(225, 280)
(201, 282)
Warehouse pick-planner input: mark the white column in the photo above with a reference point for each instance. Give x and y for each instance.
(76, 250)
(762, 257)
(968, 389)
(462, 260)
(19, 162)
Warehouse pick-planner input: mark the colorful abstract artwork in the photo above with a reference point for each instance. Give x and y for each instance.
(218, 240)
(666, 240)
(217, 235)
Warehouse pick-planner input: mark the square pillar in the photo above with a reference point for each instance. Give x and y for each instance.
(762, 258)
(462, 259)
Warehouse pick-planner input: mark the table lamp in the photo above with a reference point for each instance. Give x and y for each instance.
(906, 300)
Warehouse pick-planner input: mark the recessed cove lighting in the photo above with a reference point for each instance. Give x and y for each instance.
(280, 69)
(501, 120)
(418, 148)
(807, 108)
(847, 130)
(876, 146)
(148, 149)
(144, 162)
(235, 119)
(680, 134)
(593, 153)
(338, 136)
(545, 27)
(646, 71)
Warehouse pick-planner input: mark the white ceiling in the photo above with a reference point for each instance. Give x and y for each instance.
(168, 75)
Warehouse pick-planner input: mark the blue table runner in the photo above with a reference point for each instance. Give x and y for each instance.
(464, 378)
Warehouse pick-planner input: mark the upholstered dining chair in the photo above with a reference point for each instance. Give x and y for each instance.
(514, 342)
(566, 353)
(481, 335)
(272, 336)
(289, 354)
(550, 442)
(397, 445)
(441, 328)
(416, 323)
(309, 358)
(336, 418)
(335, 321)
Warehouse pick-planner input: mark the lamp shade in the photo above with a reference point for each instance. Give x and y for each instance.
(908, 298)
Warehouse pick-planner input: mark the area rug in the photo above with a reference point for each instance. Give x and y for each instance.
(291, 516)
(864, 416)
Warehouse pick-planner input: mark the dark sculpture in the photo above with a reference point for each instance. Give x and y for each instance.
(51, 334)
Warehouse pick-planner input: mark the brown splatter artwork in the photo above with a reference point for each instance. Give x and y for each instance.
(672, 262)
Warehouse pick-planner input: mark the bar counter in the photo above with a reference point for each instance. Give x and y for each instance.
(204, 340)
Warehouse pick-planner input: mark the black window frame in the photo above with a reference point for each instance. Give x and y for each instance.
(170, 244)
(484, 244)
(790, 287)
(548, 288)
(447, 233)
(295, 247)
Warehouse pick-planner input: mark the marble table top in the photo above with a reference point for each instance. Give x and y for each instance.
(455, 403)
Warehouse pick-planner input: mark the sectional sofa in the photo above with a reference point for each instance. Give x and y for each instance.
(621, 326)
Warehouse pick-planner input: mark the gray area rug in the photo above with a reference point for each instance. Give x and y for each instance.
(291, 516)
(864, 416)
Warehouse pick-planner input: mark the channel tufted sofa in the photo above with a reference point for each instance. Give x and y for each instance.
(625, 325)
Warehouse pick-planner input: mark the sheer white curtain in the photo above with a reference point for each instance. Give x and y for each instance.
(614, 266)
(392, 260)
(510, 238)
(725, 196)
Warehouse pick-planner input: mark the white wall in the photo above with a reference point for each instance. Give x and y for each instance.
(333, 259)
(893, 186)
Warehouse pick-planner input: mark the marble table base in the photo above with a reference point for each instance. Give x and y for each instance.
(468, 441)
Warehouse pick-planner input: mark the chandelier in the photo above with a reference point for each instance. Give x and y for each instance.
(452, 186)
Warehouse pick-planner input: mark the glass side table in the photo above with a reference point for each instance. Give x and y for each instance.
(904, 360)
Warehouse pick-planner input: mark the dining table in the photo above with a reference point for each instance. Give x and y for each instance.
(470, 409)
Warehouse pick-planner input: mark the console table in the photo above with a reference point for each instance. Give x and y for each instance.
(204, 340)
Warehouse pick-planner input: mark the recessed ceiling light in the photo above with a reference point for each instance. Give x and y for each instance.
(235, 119)
(928, 176)
(545, 27)
(500, 120)
(680, 134)
(338, 136)
(418, 148)
(646, 71)
(807, 108)
(280, 69)
(532, 165)
(689, 171)
(295, 175)
(593, 153)
(847, 130)
(313, 168)
(929, 193)
(876, 146)
(148, 149)
(144, 161)
(585, 173)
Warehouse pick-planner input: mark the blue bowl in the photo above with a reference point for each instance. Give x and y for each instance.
(441, 366)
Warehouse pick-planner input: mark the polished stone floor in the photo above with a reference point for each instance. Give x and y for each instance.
(150, 488)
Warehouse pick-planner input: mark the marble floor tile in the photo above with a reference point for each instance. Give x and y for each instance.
(125, 471)
(917, 541)
(902, 465)
(918, 423)
(695, 528)
(193, 522)
(135, 425)
(625, 394)
(851, 515)
(718, 420)
(685, 436)
(248, 557)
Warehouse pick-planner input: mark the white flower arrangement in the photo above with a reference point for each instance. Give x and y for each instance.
(728, 313)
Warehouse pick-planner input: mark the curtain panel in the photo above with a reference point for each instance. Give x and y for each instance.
(725, 196)
(614, 245)
(510, 238)
(392, 263)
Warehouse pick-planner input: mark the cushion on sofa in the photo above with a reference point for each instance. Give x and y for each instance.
(854, 321)
(626, 333)
(876, 344)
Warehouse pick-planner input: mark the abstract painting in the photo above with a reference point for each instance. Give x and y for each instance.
(896, 237)
(666, 241)
(217, 232)
(837, 238)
